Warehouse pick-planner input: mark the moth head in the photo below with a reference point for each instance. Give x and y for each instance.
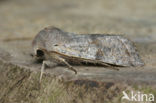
(37, 46)
(39, 55)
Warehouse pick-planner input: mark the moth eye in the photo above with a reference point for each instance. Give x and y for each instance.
(40, 53)
(56, 45)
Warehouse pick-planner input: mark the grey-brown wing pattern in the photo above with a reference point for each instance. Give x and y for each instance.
(106, 48)
(111, 49)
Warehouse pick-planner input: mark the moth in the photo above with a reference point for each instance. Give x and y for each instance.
(55, 46)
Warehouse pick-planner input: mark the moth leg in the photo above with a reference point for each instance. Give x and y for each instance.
(44, 64)
(65, 62)
(110, 66)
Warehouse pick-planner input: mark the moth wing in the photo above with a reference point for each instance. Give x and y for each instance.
(104, 48)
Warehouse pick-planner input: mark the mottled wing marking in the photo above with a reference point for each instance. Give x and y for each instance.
(99, 54)
(111, 49)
